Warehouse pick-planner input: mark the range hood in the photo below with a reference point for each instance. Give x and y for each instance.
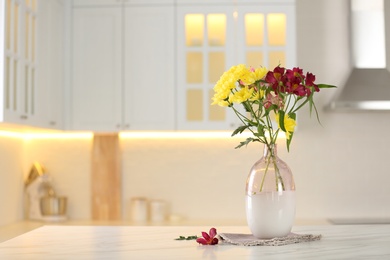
(368, 84)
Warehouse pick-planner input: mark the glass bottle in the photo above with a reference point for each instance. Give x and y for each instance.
(270, 196)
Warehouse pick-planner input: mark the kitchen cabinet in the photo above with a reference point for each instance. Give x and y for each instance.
(212, 37)
(20, 61)
(96, 69)
(50, 77)
(27, 44)
(122, 66)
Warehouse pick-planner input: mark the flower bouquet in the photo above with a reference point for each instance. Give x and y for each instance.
(269, 101)
(261, 92)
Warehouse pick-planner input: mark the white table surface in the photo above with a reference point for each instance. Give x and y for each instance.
(153, 242)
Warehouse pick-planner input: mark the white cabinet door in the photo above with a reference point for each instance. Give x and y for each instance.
(96, 69)
(149, 68)
(50, 72)
(56, 63)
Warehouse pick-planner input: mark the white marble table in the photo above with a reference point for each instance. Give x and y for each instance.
(153, 242)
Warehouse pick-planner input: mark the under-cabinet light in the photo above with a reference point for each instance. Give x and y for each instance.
(130, 135)
(45, 135)
(10, 134)
(172, 134)
(186, 134)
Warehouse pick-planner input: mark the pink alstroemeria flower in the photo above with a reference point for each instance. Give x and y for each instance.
(208, 239)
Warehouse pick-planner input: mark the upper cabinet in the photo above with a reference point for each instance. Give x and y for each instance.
(26, 43)
(51, 66)
(96, 69)
(212, 38)
(152, 65)
(20, 61)
(133, 64)
(122, 66)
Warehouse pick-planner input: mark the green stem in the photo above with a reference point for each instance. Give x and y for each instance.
(301, 105)
(265, 172)
(241, 116)
(278, 178)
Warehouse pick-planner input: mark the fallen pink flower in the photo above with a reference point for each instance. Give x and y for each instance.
(208, 239)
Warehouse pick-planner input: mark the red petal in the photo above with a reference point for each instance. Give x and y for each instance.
(213, 232)
(202, 241)
(206, 236)
(214, 241)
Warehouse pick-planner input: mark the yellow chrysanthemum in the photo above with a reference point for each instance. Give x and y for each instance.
(257, 95)
(289, 124)
(250, 76)
(260, 73)
(247, 77)
(241, 96)
(226, 84)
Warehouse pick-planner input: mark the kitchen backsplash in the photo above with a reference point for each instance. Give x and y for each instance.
(11, 179)
(340, 173)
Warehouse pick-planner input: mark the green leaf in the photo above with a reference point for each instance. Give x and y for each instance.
(260, 130)
(239, 130)
(250, 122)
(186, 238)
(281, 120)
(246, 106)
(246, 142)
(326, 86)
(288, 141)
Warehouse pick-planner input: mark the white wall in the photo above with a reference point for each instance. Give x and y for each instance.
(11, 183)
(342, 169)
(68, 163)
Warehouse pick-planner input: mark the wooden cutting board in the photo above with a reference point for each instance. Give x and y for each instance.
(106, 177)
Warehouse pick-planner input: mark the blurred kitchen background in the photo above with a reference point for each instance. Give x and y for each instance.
(341, 168)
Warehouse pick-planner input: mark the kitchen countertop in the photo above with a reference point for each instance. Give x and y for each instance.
(20, 227)
(157, 242)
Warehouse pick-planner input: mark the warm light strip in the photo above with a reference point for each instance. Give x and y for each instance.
(185, 134)
(180, 134)
(10, 134)
(129, 135)
(45, 135)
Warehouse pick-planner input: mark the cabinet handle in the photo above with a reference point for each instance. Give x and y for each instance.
(52, 123)
(118, 126)
(127, 126)
(24, 117)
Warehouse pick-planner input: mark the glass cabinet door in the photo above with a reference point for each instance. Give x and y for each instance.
(213, 38)
(20, 59)
(268, 36)
(205, 50)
